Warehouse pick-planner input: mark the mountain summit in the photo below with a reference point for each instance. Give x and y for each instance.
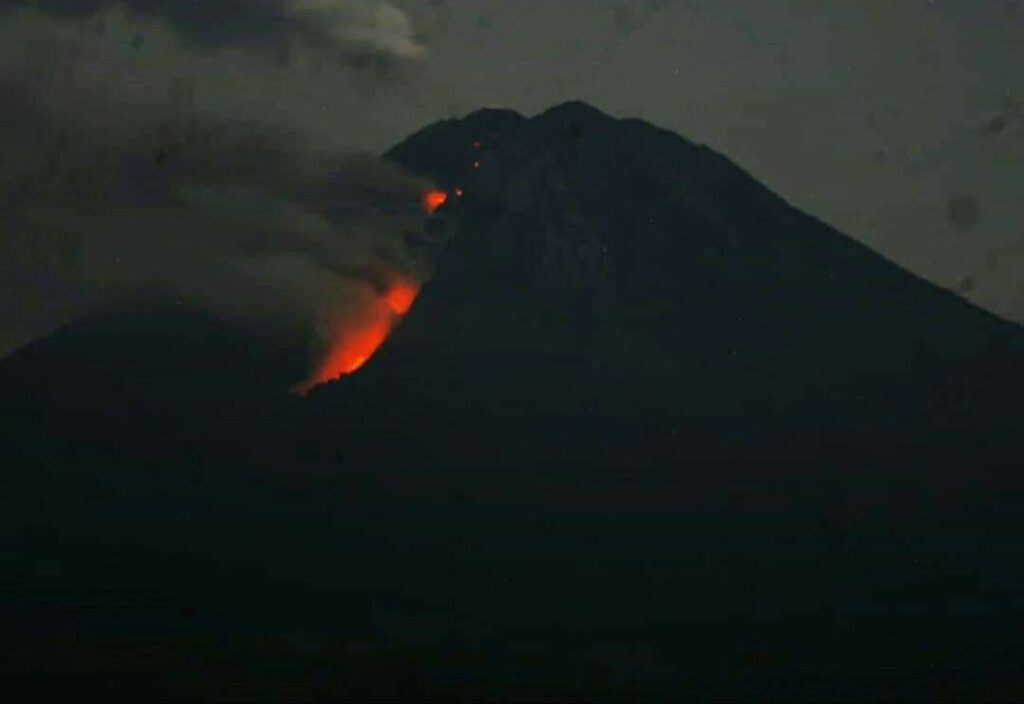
(613, 265)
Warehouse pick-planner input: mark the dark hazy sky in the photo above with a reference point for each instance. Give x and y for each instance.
(900, 122)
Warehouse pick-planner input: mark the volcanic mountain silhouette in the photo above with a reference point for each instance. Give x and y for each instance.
(649, 431)
(603, 266)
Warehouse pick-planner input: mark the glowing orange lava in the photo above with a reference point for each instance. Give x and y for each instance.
(432, 200)
(356, 339)
(400, 297)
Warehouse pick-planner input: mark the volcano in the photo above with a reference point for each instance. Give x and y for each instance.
(609, 268)
(649, 432)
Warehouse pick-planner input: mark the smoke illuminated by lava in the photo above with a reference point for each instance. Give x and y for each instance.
(351, 339)
(354, 338)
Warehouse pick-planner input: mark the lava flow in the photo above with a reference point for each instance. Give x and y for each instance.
(432, 200)
(400, 297)
(357, 338)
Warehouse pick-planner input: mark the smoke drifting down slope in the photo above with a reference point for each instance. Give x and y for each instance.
(118, 186)
(351, 340)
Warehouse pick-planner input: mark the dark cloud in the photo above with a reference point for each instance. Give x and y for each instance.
(361, 33)
(115, 182)
(228, 215)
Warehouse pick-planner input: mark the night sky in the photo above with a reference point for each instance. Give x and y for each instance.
(899, 123)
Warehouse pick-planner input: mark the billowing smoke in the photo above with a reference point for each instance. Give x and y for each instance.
(356, 32)
(130, 168)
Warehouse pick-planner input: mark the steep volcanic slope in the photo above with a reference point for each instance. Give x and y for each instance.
(608, 264)
(648, 433)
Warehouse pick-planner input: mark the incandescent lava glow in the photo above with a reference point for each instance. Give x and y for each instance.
(356, 338)
(432, 200)
(353, 339)
(400, 297)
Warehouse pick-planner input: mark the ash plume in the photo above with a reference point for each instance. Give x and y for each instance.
(352, 32)
(127, 172)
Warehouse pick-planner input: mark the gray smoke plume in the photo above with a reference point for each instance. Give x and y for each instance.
(130, 166)
(354, 32)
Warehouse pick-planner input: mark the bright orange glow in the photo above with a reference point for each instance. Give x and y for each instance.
(432, 200)
(400, 297)
(348, 351)
(357, 338)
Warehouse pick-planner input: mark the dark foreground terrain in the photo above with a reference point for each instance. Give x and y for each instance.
(649, 433)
